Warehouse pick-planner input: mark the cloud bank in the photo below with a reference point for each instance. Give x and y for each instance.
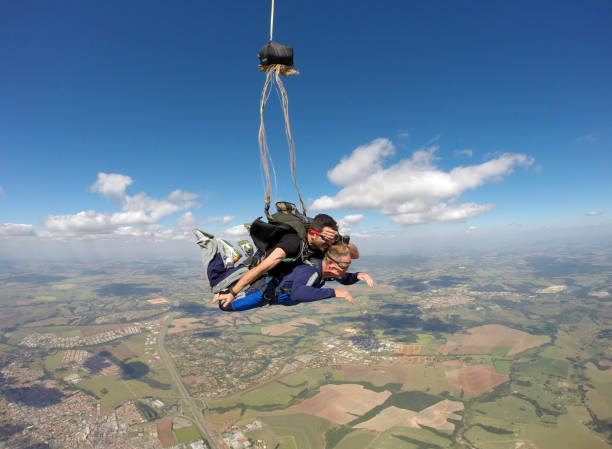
(16, 230)
(412, 191)
(140, 215)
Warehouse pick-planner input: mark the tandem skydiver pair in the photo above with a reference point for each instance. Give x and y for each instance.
(294, 257)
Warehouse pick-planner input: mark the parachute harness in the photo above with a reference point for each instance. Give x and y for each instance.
(275, 60)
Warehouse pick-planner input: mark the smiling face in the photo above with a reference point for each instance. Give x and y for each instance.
(336, 261)
(335, 268)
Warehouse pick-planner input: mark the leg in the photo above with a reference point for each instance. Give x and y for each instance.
(247, 302)
(217, 275)
(212, 260)
(209, 250)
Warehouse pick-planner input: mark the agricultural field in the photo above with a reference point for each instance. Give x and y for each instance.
(499, 350)
(491, 357)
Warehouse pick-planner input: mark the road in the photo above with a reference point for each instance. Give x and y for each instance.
(206, 429)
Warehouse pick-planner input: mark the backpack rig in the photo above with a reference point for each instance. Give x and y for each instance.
(287, 219)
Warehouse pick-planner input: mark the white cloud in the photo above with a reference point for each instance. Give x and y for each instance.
(404, 134)
(86, 221)
(470, 229)
(139, 214)
(155, 232)
(179, 195)
(111, 185)
(347, 223)
(142, 209)
(442, 212)
(464, 153)
(16, 230)
(226, 219)
(594, 213)
(413, 190)
(352, 220)
(364, 161)
(236, 232)
(187, 220)
(214, 218)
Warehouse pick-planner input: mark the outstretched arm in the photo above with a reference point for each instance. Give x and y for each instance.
(351, 277)
(344, 294)
(272, 260)
(367, 278)
(305, 293)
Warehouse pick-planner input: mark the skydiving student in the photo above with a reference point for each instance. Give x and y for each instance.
(303, 284)
(322, 232)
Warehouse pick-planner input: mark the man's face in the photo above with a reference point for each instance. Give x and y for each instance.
(336, 267)
(322, 241)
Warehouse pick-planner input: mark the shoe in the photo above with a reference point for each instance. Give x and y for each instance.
(202, 236)
(246, 247)
(230, 254)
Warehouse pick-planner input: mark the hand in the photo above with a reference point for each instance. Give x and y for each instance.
(330, 235)
(366, 277)
(344, 294)
(227, 298)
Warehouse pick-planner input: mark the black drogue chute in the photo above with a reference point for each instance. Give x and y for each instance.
(275, 53)
(276, 59)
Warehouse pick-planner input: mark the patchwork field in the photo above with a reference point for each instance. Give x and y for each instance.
(341, 403)
(435, 416)
(185, 324)
(552, 289)
(164, 433)
(482, 339)
(63, 286)
(292, 431)
(475, 380)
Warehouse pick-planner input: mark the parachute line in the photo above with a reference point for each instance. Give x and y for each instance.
(273, 73)
(276, 59)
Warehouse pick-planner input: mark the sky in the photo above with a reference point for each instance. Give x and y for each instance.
(124, 125)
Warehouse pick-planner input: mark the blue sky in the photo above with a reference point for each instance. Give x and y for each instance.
(138, 120)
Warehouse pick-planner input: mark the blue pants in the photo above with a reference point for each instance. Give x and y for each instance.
(254, 300)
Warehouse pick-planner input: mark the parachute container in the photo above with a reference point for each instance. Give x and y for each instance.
(276, 53)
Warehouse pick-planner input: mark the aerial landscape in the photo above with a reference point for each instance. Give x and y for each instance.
(489, 350)
(402, 207)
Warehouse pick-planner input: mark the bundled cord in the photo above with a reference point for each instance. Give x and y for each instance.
(276, 59)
